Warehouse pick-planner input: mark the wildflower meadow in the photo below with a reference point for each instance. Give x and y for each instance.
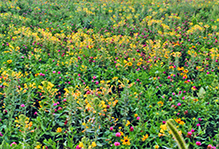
(120, 74)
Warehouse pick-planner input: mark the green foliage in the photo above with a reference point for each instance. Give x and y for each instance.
(77, 72)
(179, 139)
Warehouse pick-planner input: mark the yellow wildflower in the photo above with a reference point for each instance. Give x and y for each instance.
(93, 144)
(81, 144)
(59, 129)
(144, 137)
(9, 61)
(126, 141)
(128, 123)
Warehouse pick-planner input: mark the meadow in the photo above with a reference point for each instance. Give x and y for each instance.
(90, 74)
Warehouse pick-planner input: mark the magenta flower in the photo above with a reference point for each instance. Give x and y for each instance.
(111, 128)
(199, 119)
(198, 143)
(189, 133)
(1, 134)
(183, 98)
(138, 118)
(209, 146)
(198, 125)
(192, 130)
(13, 143)
(94, 77)
(118, 134)
(77, 147)
(117, 144)
(179, 104)
(22, 105)
(131, 128)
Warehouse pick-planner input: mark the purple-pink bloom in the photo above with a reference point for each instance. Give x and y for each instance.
(22, 105)
(198, 143)
(209, 146)
(118, 134)
(77, 147)
(189, 133)
(13, 143)
(117, 144)
(179, 104)
(131, 128)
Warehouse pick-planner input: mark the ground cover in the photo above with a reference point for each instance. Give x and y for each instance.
(108, 74)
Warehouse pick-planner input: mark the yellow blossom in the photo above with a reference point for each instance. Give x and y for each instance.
(128, 123)
(93, 144)
(59, 129)
(81, 144)
(144, 137)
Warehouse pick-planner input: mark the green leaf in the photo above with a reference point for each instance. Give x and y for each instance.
(201, 92)
(178, 138)
(99, 144)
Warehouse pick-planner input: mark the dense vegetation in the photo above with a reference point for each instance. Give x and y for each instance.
(108, 74)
